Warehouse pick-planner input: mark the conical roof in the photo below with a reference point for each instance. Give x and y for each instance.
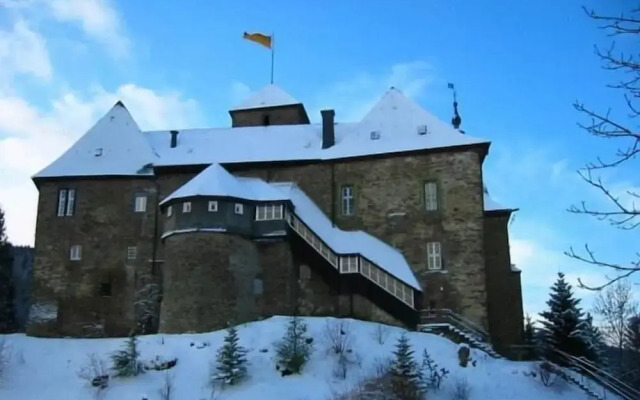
(113, 146)
(269, 96)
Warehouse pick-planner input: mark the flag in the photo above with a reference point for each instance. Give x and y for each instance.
(258, 38)
(450, 85)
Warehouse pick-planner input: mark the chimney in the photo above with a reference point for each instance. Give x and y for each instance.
(174, 138)
(328, 130)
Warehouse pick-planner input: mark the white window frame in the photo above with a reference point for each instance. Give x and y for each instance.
(75, 252)
(238, 208)
(71, 202)
(349, 264)
(62, 202)
(140, 204)
(212, 206)
(347, 200)
(434, 256)
(186, 207)
(431, 196)
(132, 252)
(269, 212)
(169, 211)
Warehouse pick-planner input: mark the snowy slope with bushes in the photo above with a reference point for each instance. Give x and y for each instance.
(48, 369)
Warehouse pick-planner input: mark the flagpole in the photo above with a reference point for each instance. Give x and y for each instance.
(273, 50)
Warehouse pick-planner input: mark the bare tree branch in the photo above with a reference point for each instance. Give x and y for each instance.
(621, 213)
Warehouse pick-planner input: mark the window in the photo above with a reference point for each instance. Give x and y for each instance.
(258, 286)
(349, 264)
(347, 200)
(269, 212)
(66, 202)
(213, 206)
(140, 204)
(132, 253)
(186, 207)
(75, 253)
(305, 272)
(71, 202)
(239, 208)
(266, 120)
(434, 256)
(169, 211)
(105, 289)
(431, 196)
(62, 202)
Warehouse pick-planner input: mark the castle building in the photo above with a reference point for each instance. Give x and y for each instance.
(383, 219)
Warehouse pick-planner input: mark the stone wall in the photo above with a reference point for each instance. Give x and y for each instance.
(504, 286)
(66, 296)
(389, 204)
(283, 115)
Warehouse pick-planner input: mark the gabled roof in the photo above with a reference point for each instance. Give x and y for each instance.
(269, 96)
(113, 146)
(216, 181)
(392, 126)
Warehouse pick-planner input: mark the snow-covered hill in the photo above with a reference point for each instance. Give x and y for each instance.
(47, 369)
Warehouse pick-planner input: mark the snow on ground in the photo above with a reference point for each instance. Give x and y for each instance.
(47, 368)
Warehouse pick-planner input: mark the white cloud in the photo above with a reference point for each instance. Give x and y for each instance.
(32, 137)
(23, 51)
(354, 97)
(98, 18)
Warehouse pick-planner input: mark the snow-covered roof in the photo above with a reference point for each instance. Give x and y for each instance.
(113, 146)
(269, 96)
(492, 205)
(393, 125)
(348, 242)
(216, 181)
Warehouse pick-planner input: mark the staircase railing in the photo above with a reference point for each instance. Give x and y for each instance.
(609, 382)
(448, 316)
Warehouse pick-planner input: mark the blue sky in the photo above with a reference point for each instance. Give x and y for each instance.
(518, 70)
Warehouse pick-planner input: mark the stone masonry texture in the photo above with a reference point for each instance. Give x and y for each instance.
(210, 279)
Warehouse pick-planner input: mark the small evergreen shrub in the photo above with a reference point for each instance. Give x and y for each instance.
(126, 361)
(406, 379)
(295, 348)
(231, 361)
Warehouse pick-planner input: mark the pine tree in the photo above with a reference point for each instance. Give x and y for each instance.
(404, 364)
(530, 337)
(595, 342)
(126, 361)
(563, 323)
(294, 350)
(7, 313)
(231, 360)
(407, 378)
(632, 334)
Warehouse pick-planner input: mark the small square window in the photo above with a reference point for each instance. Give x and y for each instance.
(213, 206)
(141, 204)
(239, 208)
(169, 211)
(105, 289)
(186, 207)
(75, 253)
(258, 286)
(132, 253)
